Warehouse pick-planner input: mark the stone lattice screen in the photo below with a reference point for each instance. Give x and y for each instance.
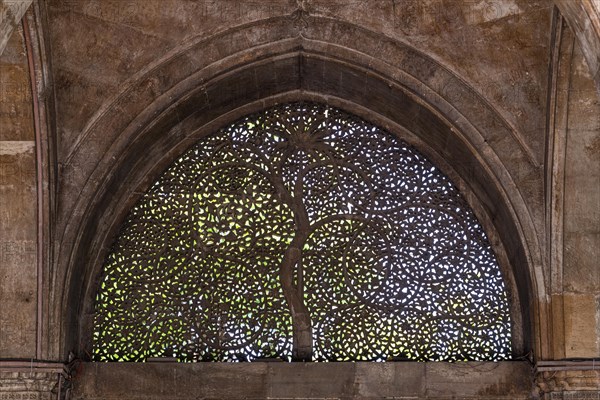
(302, 233)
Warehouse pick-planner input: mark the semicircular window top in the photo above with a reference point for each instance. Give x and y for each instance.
(302, 233)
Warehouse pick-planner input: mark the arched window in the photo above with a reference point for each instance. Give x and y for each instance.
(302, 232)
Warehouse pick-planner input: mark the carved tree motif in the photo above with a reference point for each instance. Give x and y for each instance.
(302, 232)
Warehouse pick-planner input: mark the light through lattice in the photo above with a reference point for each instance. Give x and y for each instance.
(302, 232)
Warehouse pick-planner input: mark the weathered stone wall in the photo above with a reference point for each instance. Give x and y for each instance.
(18, 273)
(514, 115)
(581, 270)
(11, 12)
(583, 17)
(575, 196)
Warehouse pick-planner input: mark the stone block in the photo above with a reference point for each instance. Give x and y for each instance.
(478, 380)
(581, 339)
(280, 380)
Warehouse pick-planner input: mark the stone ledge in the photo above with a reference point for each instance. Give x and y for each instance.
(262, 380)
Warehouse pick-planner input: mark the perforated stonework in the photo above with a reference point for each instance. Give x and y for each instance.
(302, 232)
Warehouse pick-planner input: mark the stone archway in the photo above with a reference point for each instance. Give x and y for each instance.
(153, 120)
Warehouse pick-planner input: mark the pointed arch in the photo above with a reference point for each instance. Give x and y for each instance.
(460, 136)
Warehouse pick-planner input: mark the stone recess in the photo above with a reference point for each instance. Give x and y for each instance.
(369, 66)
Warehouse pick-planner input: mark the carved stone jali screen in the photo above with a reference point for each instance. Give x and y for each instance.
(302, 233)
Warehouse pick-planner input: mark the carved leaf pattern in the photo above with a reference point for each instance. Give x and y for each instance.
(302, 232)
